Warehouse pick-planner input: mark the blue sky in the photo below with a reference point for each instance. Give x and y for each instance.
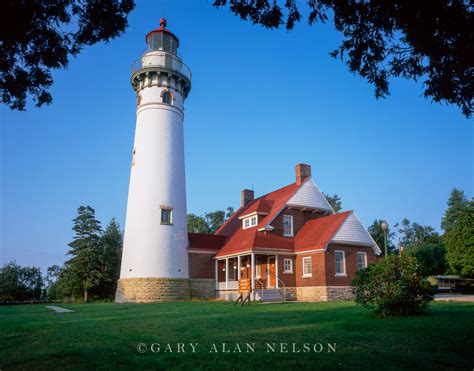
(261, 101)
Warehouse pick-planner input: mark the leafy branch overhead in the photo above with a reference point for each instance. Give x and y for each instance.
(37, 36)
(382, 39)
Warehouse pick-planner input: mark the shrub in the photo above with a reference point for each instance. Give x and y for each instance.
(393, 286)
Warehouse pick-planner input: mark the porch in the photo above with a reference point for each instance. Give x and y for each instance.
(262, 268)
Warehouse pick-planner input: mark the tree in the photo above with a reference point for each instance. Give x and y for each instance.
(335, 201)
(377, 233)
(19, 284)
(431, 258)
(384, 39)
(457, 202)
(459, 241)
(197, 224)
(414, 234)
(84, 266)
(210, 222)
(37, 36)
(393, 286)
(52, 276)
(110, 256)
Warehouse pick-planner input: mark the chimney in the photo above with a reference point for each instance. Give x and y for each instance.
(247, 196)
(303, 171)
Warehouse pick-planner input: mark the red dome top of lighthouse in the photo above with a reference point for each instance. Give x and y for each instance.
(161, 29)
(162, 39)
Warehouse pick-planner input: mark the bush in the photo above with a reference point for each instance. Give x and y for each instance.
(393, 286)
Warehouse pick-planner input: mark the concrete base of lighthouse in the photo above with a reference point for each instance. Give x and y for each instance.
(147, 290)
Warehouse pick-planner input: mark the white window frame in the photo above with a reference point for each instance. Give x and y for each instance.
(307, 258)
(343, 274)
(364, 254)
(250, 222)
(290, 218)
(290, 269)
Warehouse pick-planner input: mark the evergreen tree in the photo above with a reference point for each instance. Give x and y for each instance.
(457, 202)
(110, 256)
(84, 266)
(334, 201)
(459, 239)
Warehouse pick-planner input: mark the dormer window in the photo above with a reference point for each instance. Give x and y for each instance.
(287, 225)
(250, 222)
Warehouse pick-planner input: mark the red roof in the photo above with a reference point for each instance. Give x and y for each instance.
(202, 241)
(161, 29)
(240, 240)
(260, 206)
(272, 203)
(317, 233)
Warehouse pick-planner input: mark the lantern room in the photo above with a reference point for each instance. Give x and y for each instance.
(162, 39)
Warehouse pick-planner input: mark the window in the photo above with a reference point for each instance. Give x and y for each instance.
(287, 266)
(307, 267)
(340, 263)
(287, 225)
(166, 215)
(258, 268)
(133, 156)
(361, 260)
(250, 222)
(166, 97)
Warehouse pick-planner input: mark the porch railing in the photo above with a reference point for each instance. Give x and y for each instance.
(259, 284)
(282, 288)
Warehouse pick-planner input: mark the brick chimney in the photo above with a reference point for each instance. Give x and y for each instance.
(303, 171)
(247, 196)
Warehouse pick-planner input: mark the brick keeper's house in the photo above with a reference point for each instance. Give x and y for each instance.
(290, 243)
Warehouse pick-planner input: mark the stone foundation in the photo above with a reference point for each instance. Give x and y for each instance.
(147, 290)
(291, 293)
(324, 293)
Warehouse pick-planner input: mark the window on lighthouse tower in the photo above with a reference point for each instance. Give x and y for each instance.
(166, 97)
(166, 215)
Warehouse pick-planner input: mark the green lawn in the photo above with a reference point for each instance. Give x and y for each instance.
(107, 335)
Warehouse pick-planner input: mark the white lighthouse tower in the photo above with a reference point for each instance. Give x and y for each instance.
(154, 259)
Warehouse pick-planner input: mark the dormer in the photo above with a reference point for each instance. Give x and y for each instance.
(256, 210)
(249, 221)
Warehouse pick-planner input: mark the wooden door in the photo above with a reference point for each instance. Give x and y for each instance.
(271, 271)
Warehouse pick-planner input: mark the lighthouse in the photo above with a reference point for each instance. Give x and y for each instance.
(154, 259)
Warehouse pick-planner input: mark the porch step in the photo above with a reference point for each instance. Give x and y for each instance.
(269, 295)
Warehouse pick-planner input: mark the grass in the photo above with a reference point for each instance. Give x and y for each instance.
(106, 336)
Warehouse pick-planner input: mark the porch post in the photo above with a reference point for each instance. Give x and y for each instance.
(217, 274)
(276, 271)
(253, 271)
(226, 272)
(238, 267)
